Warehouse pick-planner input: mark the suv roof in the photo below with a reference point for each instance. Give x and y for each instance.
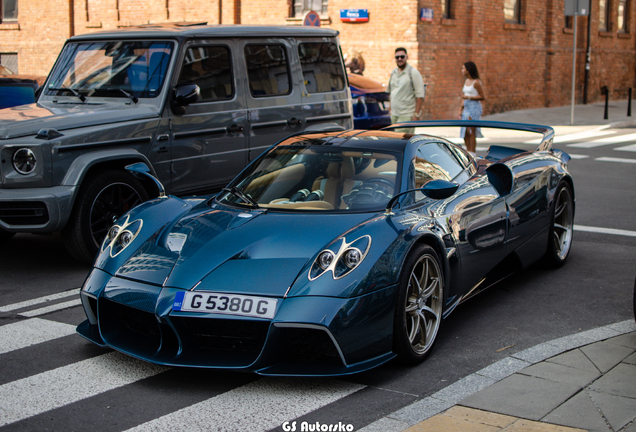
(153, 31)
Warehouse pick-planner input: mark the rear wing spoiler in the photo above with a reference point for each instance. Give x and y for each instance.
(546, 131)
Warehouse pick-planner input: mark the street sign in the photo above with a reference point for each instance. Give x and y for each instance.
(577, 7)
(354, 15)
(426, 14)
(311, 19)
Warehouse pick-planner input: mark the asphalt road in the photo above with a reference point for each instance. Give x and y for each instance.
(62, 383)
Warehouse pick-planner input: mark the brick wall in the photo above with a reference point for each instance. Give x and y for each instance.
(522, 65)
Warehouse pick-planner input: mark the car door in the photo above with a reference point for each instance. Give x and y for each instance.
(326, 96)
(273, 92)
(208, 137)
(476, 213)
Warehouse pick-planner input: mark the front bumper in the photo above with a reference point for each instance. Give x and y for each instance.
(35, 210)
(309, 336)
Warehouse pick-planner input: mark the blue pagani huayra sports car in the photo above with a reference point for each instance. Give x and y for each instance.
(330, 254)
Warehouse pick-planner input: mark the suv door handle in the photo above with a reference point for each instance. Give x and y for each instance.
(294, 121)
(235, 128)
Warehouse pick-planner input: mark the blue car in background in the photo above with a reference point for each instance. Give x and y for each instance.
(370, 103)
(18, 89)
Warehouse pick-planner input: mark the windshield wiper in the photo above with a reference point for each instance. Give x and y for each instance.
(242, 195)
(75, 92)
(129, 96)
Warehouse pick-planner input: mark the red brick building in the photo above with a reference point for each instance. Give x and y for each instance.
(523, 48)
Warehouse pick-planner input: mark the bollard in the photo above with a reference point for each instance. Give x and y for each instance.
(605, 91)
(629, 102)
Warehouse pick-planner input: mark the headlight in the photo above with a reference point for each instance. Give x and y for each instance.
(113, 231)
(348, 257)
(24, 161)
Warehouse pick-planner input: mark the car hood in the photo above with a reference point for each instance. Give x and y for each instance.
(26, 120)
(225, 250)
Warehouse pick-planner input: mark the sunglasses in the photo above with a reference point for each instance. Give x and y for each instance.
(400, 57)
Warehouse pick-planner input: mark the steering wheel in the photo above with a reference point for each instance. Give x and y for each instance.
(379, 181)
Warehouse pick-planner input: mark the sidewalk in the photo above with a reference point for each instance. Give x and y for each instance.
(581, 382)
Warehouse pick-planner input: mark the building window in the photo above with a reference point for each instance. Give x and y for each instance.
(8, 63)
(446, 9)
(569, 22)
(303, 6)
(603, 15)
(623, 11)
(9, 10)
(512, 11)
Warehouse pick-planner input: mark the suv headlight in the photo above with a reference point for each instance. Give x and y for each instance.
(24, 161)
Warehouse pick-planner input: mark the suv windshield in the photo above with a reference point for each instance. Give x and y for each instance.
(111, 69)
(312, 177)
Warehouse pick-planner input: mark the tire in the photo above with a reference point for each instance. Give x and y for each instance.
(5, 235)
(418, 310)
(561, 227)
(103, 198)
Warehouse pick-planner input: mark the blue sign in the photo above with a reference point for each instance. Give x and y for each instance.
(354, 15)
(426, 14)
(312, 19)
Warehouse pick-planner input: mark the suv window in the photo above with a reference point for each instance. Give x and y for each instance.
(268, 70)
(209, 67)
(322, 70)
(106, 68)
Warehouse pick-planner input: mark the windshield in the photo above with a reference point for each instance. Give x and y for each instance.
(111, 69)
(311, 177)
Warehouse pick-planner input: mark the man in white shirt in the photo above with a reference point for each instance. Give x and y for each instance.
(406, 87)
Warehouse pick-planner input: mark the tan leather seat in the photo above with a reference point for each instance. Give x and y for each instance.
(339, 181)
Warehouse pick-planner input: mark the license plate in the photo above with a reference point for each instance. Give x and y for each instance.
(229, 304)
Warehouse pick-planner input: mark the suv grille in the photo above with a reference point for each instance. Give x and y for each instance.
(24, 213)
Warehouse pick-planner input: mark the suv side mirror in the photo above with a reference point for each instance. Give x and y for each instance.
(186, 94)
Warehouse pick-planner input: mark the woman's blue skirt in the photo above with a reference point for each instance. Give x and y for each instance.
(472, 111)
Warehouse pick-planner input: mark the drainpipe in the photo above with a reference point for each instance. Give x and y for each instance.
(71, 18)
(588, 57)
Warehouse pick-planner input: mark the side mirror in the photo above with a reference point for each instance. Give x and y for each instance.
(141, 170)
(186, 94)
(435, 189)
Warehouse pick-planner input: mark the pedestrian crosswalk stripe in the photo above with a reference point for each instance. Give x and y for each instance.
(56, 388)
(37, 301)
(578, 156)
(613, 159)
(261, 405)
(605, 141)
(52, 308)
(605, 230)
(31, 332)
(630, 148)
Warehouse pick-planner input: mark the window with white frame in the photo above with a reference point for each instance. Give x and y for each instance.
(303, 6)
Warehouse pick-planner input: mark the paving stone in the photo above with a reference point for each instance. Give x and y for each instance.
(560, 373)
(605, 355)
(620, 381)
(619, 411)
(384, 425)
(571, 342)
(538, 353)
(631, 359)
(479, 416)
(522, 396)
(581, 412)
(463, 388)
(628, 340)
(575, 359)
(523, 425)
(624, 326)
(504, 368)
(630, 428)
(444, 423)
(420, 410)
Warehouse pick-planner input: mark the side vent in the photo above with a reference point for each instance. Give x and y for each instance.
(500, 176)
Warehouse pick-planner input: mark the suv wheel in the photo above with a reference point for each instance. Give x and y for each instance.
(103, 198)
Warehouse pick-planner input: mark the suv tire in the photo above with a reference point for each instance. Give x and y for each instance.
(103, 198)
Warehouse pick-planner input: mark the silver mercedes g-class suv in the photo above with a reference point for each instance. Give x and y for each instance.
(195, 103)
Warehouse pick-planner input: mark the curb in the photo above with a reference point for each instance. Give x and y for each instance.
(451, 395)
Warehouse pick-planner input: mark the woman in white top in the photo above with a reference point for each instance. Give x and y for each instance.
(471, 108)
